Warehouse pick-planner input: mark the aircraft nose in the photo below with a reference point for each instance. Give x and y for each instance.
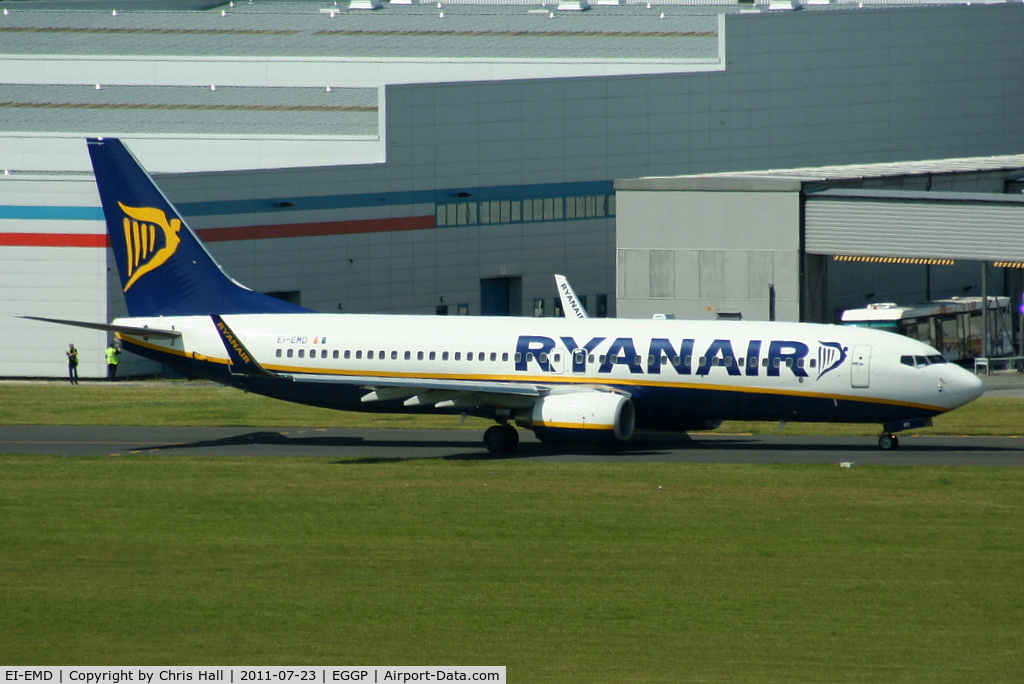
(962, 386)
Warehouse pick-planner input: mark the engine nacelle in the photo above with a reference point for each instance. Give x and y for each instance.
(580, 416)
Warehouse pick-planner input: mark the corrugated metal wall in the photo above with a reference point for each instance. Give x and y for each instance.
(924, 225)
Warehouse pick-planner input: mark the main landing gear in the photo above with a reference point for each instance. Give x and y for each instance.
(501, 438)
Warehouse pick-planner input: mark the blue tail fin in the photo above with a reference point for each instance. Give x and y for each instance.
(165, 269)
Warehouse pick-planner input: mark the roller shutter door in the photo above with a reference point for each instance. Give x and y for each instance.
(902, 224)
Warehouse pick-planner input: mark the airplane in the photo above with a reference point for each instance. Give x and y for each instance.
(567, 379)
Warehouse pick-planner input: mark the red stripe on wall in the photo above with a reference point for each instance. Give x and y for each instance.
(230, 234)
(317, 229)
(52, 240)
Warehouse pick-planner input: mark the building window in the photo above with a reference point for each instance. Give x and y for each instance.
(527, 210)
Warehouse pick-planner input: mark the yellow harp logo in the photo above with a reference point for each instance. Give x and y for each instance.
(150, 240)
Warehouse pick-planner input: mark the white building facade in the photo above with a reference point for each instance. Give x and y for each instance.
(397, 160)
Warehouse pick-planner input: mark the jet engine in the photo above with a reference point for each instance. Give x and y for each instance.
(580, 415)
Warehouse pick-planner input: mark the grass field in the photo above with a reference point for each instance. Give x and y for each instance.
(625, 572)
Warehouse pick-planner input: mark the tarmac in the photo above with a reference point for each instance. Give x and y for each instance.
(384, 445)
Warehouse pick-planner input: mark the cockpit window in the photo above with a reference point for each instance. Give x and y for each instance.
(921, 361)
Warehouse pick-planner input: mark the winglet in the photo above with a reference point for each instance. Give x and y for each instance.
(242, 360)
(571, 306)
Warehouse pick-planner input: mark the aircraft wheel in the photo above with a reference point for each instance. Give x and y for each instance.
(501, 438)
(888, 442)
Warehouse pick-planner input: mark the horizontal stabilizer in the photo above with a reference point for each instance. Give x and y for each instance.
(134, 331)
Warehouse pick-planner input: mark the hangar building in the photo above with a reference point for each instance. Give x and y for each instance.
(399, 157)
(806, 244)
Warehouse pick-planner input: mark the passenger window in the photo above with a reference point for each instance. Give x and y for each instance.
(302, 353)
(494, 356)
(504, 356)
(278, 353)
(444, 356)
(289, 353)
(458, 356)
(433, 356)
(469, 356)
(359, 353)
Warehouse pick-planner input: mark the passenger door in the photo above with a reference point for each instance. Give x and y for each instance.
(860, 367)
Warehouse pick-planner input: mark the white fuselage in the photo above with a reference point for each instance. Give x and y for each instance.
(765, 370)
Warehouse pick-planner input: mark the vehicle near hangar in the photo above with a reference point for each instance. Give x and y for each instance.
(954, 326)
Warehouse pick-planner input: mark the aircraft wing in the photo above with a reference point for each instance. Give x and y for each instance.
(441, 393)
(107, 327)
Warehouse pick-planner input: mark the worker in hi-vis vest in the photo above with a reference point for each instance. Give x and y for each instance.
(113, 352)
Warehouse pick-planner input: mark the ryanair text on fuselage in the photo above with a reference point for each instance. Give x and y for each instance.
(720, 353)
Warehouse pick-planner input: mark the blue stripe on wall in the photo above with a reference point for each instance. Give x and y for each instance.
(51, 213)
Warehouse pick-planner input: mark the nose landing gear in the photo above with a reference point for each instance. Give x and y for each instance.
(888, 439)
(888, 442)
